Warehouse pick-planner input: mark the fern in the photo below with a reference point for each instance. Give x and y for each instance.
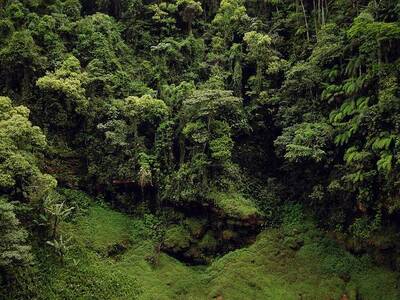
(354, 65)
(343, 138)
(356, 177)
(383, 143)
(348, 108)
(362, 103)
(331, 91)
(384, 164)
(353, 155)
(350, 129)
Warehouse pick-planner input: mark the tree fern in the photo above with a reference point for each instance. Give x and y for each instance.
(383, 143)
(384, 164)
(353, 155)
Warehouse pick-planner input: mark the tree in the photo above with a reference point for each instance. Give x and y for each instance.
(231, 19)
(20, 148)
(14, 250)
(66, 86)
(189, 10)
(207, 121)
(305, 141)
(60, 247)
(262, 53)
(57, 212)
(20, 60)
(129, 140)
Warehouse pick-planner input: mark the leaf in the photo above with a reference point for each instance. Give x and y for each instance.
(385, 162)
(356, 177)
(383, 143)
(352, 155)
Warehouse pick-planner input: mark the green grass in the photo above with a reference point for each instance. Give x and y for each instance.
(275, 267)
(282, 264)
(100, 229)
(269, 270)
(89, 273)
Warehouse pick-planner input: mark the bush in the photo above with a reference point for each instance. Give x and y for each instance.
(77, 199)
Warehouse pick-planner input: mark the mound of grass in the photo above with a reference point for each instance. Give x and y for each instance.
(270, 270)
(234, 205)
(297, 261)
(100, 229)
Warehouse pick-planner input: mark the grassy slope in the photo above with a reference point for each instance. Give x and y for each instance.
(90, 274)
(269, 269)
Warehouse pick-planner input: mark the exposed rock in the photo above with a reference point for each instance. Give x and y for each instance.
(227, 222)
(117, 249)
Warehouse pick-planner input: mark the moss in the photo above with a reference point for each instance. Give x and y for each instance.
(177, 238)
(228, 234)
(208, 242)
(293, 243)
(196, 226)
(376, 283)
(234, 205)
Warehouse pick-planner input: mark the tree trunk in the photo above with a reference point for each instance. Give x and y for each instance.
(305, 20)
(322, 12)
(55, 225)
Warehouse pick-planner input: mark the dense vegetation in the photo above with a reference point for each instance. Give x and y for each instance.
(165, 149)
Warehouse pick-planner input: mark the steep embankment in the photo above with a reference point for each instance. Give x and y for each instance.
(111, 256)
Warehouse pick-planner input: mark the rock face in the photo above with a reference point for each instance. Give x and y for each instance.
(211, 231)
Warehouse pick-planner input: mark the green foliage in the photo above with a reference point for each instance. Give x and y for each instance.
(128, 274)
(13, 243)
(232, 107)
(145, 109)
(20, 146)
(371, 35)
(189, 10)
(64, 95)
(22, 52)
(163, 16)
(230, 18)
(67, 80)
(79, 200)
(305, 141)
(55, 212)
(261, 52)
(267, 268)
(285, 273)
(207, 121)
(177, 238)
(131, 131)
(60, 247)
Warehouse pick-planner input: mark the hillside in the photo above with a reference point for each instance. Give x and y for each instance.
(108, 258)
(200, 149)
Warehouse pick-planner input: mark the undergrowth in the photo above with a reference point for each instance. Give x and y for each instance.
(108, 259)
